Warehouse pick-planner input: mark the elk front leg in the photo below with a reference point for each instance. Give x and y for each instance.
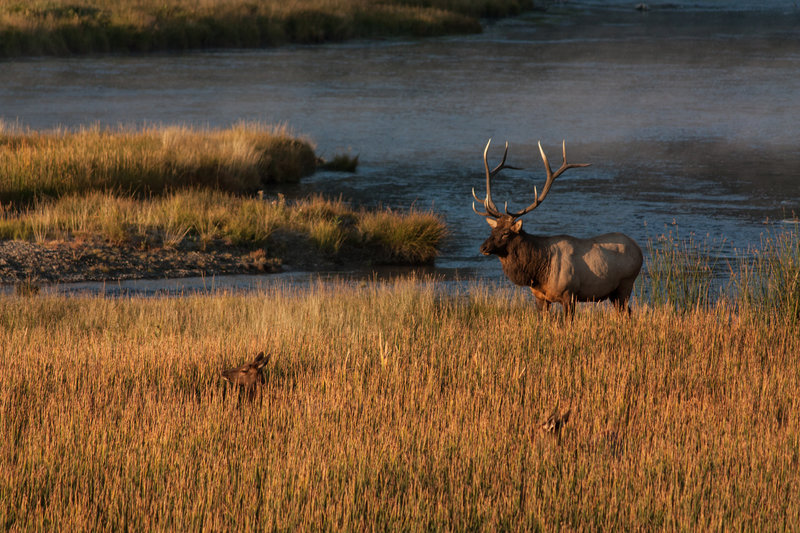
(541, 302)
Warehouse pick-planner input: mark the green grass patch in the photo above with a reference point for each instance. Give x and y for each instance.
(147, 161)
(340, 163)
(769, 280)
(61, 27)
(681, 270)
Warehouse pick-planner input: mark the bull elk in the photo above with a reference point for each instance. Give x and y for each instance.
(558, 268)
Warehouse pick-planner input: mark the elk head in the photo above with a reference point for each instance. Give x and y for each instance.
(506, 225)
(556, 422)
(249, 375)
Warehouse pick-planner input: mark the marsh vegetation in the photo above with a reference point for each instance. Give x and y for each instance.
(202, 219)
(150, 160)
(397, 406)
(153, 189)
(63, 27)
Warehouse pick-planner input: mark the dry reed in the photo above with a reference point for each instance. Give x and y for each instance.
(62, 27)
(394, 406)
(149, 160)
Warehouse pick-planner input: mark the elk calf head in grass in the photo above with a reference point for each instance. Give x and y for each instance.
(556, 422)
(249, 376)
(558, 268)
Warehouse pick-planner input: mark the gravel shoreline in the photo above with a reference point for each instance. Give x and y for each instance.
(67, 262)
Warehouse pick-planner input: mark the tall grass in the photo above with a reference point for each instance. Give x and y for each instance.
(149, 160)
(689, 274)
(681, 271)
(200, 218)
(768, 281)
(34, 27)
(393, 406)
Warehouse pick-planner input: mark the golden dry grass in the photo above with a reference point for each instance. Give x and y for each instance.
(394, 406)
(61, 27)
(199, 218)
(148, 160)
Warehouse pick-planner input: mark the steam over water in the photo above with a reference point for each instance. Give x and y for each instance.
(688, 113)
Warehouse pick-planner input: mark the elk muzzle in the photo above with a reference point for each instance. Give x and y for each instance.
(487, 247)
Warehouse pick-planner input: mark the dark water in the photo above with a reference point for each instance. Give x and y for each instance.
(688, 113)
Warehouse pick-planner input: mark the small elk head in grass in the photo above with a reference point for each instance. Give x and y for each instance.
(558, 268)
(249, 376)
(555, 423)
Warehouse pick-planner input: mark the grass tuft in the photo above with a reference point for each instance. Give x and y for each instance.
(768, 280)
(341, 163)
(199, 218)
(413, 237)
(681, 271)
(148, 161)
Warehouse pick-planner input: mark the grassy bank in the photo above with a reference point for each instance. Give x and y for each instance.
(60, 27)
(204, 219)
(186, 189)
(147, 161)
(395, 407)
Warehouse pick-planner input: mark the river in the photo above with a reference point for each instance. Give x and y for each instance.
(689, 114)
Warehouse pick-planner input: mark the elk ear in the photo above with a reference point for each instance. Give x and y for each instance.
(262, 360)
(492, 222)
(517, 226)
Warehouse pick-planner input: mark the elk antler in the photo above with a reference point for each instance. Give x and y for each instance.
(488, 204)
(551, 177)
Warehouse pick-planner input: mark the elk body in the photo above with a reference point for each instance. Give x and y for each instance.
(558, 268)
(249, 376)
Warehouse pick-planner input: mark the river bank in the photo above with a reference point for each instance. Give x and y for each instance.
(196, 233)
(69, 27)
(114, 204)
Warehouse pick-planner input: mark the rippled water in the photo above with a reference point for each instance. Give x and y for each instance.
(688, 114)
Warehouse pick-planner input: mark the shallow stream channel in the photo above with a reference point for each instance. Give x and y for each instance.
(689, 114)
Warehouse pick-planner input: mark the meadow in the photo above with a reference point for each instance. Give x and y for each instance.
(63, 27)
(400, 405)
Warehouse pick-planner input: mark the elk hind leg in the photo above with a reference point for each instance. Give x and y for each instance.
(568, 302)
(621, 297)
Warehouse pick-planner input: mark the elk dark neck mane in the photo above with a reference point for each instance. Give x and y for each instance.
(527, 260)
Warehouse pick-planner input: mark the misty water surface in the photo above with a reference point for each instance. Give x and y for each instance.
(689, 115)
